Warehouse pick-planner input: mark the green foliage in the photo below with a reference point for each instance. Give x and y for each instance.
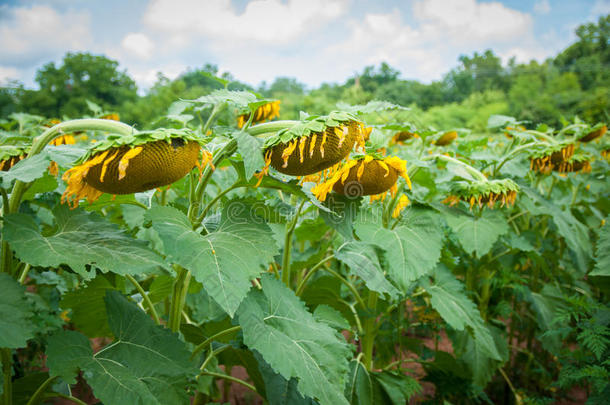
(477, 234)
(16, 314)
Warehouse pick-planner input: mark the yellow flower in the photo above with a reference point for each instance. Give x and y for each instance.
(488, 192)
(130, 169)
(67, 139)
(9, 162)
(112, 116)
(594, 134)
(402, 203)
(547, 162)
(266, 112)
(401, 136)
(365, 176)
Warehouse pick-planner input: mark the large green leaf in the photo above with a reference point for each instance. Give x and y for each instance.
(602, 265)
(241, 99)
(363, 262)
(88, 312)
(146, 364)
(26, 170)
(398, 387)
(225, 260)
(80, 240)
(249, 148)
(277, 324)
(448, 298)
(280, 391)
(359, 387)
(412, 248)
(478, 234)
(15, 314)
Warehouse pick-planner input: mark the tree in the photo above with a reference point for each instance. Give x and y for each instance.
(82, 76)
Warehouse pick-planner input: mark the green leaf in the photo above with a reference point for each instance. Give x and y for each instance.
(240, 99)
(340, 214)
(249, 148)
(225, 260)
(330, 316)
(80, 240)
(500, 121)
(602, 257)
(363, 262)
(146, 364)
(44, 184)
(412, 249)
(448, 299)
(399, 387)
(88, 312)
(26, 170)
(478, 234)
(15, 314)
(359, 387)
(280, 391)
(277, 324)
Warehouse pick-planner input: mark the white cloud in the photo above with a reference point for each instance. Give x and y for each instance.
(601, 7)
(138, 44)
(464, 21)
(271, 21)
(8, 73)
(542, 7)
(39, 33)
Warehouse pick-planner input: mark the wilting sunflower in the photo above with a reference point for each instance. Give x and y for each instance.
(266, 112)
(551, 156)
(10, 155)
(132, 164)
(446, 138)
(365, 175)
(313, 145)
(401, 136)
(596, 132)
(579, 163)
(488, 192)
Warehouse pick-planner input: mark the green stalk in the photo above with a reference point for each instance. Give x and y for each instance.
(288, 246)
(471, 170)
(368, 340)
(230, 378)
(313, 270)
(209, 340)
(64, 396)
(7, 366)
(145, 297)
(39, 392)
(180, 289)
(269, 127)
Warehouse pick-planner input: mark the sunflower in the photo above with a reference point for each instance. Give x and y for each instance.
(487, 192)
(312, 146)
(579, 163)
(111, 116)
(132, 164)
(598, 131)
(446, 138)
(10, 155)
(551, 156)
(401, 136)
(266, 112)
(365, 175)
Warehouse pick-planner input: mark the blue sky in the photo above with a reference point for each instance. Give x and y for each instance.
(257, 40)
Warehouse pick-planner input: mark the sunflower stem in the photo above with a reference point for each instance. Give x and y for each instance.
(471, 170)
(290, 226)
(230, 378)
(180, 290)
(368, 339)
(215, 111)
(313, 270)
(145, 297)
(270, 127)
(39, 392)
(209, 340)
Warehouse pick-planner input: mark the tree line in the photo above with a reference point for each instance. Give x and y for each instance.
(576, 82)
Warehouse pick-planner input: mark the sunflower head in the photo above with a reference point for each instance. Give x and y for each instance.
(596, 132)
(10, 155)
(131, 164)
(112, 116)
(551, 156)
(365, 175)
(265, 112)
(401, 136)
(446, 138)
(579, 163)
(314, 145)
(481, 193)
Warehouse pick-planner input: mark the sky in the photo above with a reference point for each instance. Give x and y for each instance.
(314, 41)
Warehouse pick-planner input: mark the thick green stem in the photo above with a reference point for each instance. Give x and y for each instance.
(181, 286)
(7, 366)
(41, 389)
(471, 170)
(288, 246)
(24, 273)
(368, 340)
(269, 127)
(145, 297)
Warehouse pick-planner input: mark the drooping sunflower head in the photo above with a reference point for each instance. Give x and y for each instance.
(266, 112)
(313, 145)
(546, 159)
(365, 175)
(10, 155)
(490, 192)
(446, 138)
(401, 136)
(131, 164)
(579, 163)
(596, 132)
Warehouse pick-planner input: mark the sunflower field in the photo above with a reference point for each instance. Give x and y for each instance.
(357, 257)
